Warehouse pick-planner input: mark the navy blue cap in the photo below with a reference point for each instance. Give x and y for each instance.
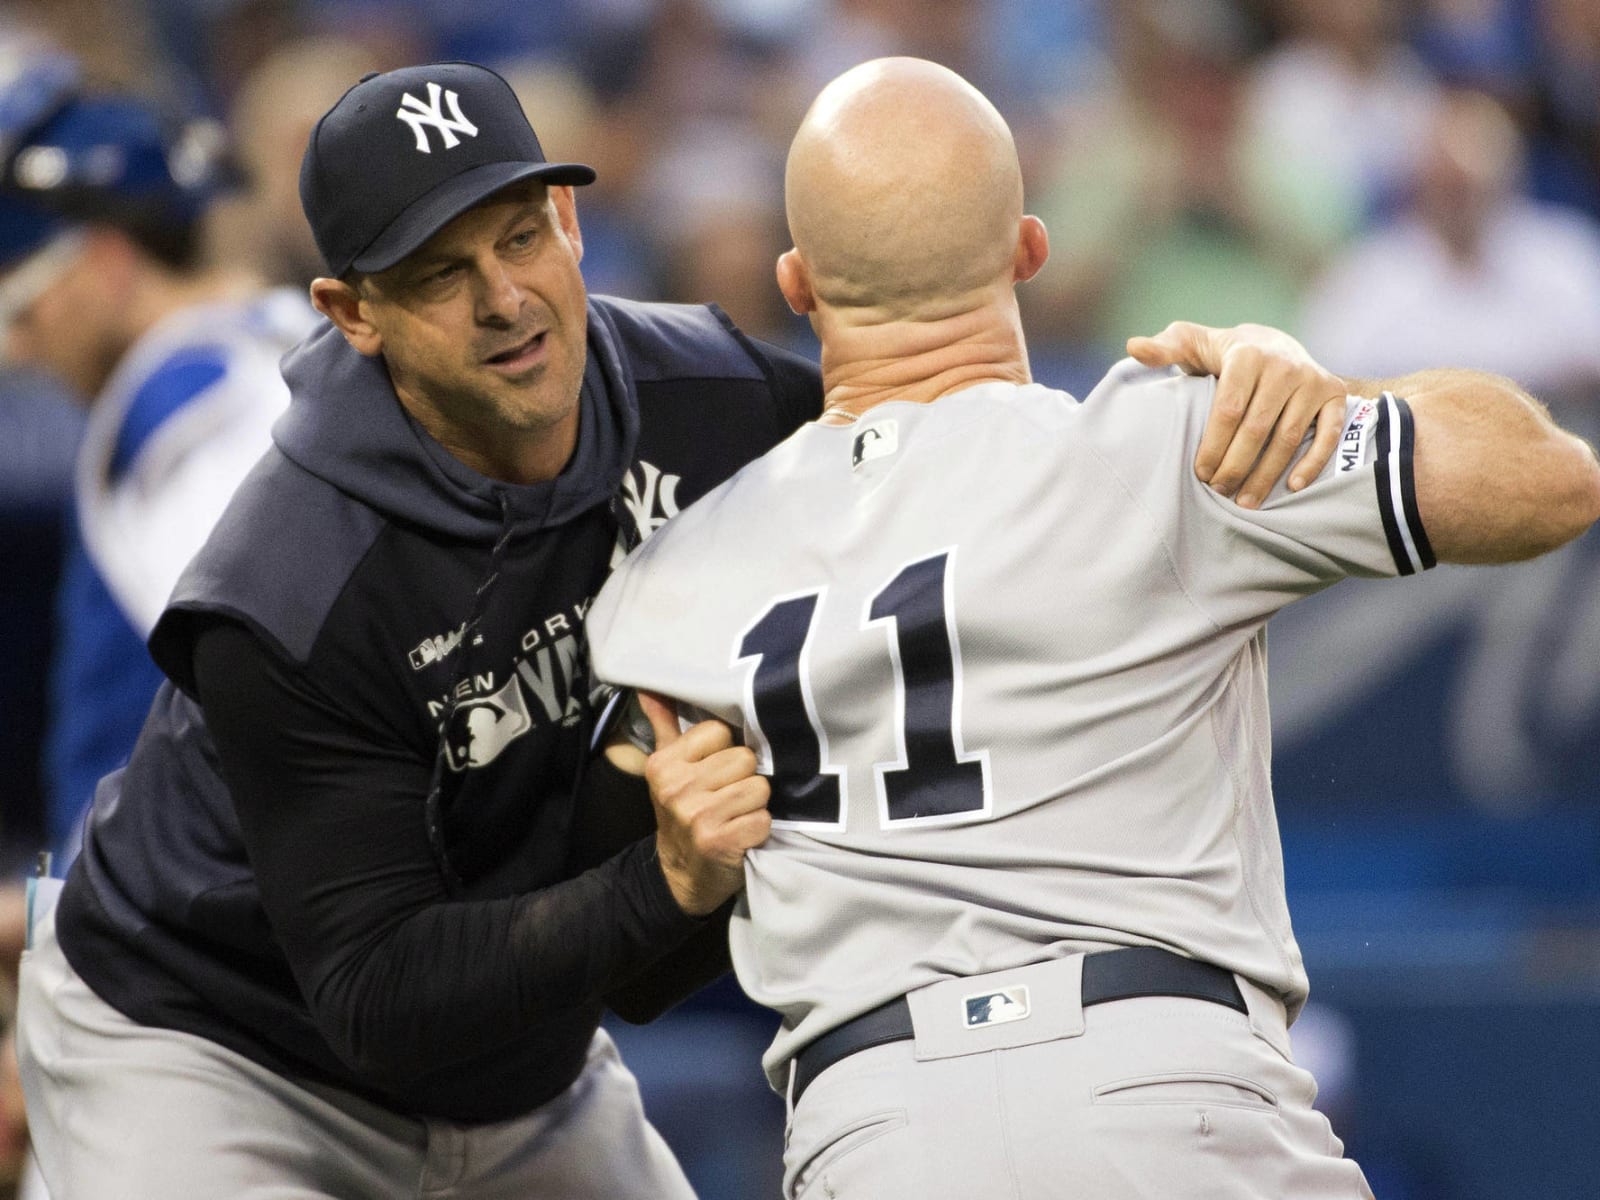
(404, 153)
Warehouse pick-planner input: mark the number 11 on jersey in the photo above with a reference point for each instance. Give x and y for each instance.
(934, 780)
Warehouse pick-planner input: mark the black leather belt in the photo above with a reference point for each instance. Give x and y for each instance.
(1109, 975)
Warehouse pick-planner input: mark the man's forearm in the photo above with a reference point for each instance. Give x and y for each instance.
(455, 980)
(1497, 479)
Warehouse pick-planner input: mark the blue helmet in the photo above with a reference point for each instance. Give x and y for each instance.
(71, 155)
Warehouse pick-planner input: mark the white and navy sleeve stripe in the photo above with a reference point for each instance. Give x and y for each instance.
(1397, 489)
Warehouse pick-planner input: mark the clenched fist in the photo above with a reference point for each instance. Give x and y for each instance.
(710, 804)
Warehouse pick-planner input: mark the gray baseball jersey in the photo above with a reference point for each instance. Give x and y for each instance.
(1004, 658)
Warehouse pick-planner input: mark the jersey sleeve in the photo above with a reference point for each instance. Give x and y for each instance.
(1359, 517)
(618, 647)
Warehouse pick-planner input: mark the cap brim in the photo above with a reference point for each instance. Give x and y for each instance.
(433, 211)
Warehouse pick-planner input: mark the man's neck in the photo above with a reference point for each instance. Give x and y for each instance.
(523, 459)
(521, 456)
(865, 364)
(163, 293)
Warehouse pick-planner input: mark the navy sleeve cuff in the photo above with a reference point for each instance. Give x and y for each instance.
(1397, 489)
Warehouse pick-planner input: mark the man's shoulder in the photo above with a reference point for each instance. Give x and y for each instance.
(692, 372)
(676, 341)
(1129, 377)
(1134, 409)
(278, 560)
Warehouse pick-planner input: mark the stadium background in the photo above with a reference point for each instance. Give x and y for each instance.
(1437, 769)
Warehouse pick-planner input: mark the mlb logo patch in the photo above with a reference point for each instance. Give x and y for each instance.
(878, 440)
(1356, 439)
(996, 1008)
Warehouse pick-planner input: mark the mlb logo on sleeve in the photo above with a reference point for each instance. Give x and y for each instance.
(1357, 435)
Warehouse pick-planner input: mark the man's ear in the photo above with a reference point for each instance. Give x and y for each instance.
(341, 304)
(567, 215)
(794, 281)
(1033, 248)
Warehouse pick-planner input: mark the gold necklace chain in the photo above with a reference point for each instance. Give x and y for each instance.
(837, 414)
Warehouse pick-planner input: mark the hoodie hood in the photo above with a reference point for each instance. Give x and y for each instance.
(346, 426)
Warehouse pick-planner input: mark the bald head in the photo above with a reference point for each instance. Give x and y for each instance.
(903, 190)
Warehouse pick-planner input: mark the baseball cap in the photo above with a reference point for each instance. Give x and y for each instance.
(69, 155)
(404, 153)
(32, 90)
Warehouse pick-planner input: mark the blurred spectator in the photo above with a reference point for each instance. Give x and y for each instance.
(484, 31)
(105, 286)
(111, 39)
(218, 43)
(697, 65)
(1473, 273)
(1344, 104)
(837, 34)
(841, 33)
(1156, 207)
(1485, 45)
(1564, 160)
(102, 284)
(721, 189)
(1044, 48)
(611, 131)
(273, 113)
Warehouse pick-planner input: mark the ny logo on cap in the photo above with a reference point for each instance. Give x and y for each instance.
(420, 115)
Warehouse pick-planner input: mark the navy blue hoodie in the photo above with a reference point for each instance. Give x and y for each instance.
(269, 870)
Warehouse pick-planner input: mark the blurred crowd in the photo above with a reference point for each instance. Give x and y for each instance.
(1401, 183)
(1391, 179)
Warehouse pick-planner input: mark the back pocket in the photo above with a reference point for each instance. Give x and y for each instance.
(844, 1141)
(1188, 1087)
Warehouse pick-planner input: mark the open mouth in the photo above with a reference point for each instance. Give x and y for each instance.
(523, 354)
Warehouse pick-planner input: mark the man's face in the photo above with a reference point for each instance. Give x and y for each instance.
(483, 328)
(65, 314)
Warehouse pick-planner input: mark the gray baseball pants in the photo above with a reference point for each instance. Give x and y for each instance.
(1158, 1097)
(118, 1109)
